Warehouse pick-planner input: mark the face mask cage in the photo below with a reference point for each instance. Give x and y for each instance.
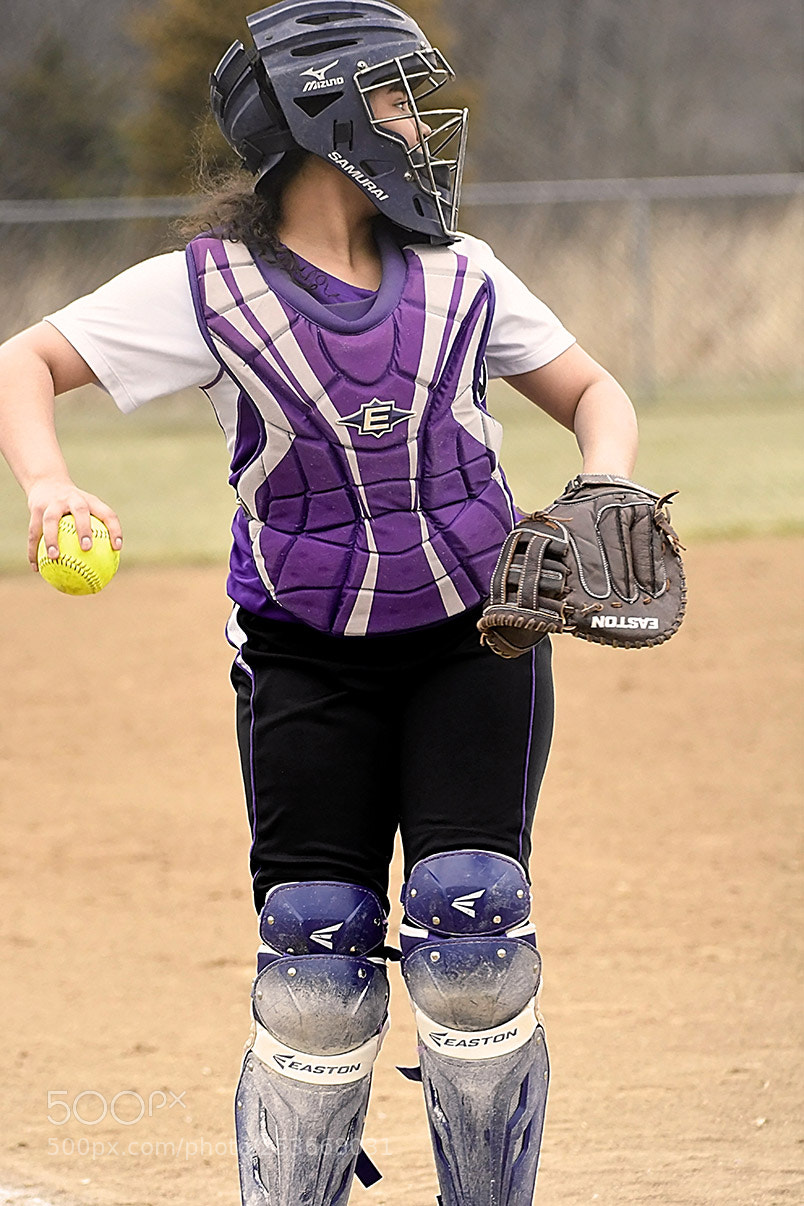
(437, 158)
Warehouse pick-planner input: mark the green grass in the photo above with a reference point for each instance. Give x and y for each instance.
(737, 463)
(164, 472)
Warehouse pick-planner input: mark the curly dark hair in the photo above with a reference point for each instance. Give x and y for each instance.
(230, 207)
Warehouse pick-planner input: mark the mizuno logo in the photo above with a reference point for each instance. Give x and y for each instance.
(325, 935)
(632, 622)
(320, 73)
(376, 418)
(466, 904)
(319, 79)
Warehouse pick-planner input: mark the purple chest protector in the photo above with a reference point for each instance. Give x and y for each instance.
(364, 460)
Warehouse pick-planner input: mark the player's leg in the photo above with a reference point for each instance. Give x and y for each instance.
(320, 1007)
(473, 973)
(475, 740)
(476, 747)
(318, 758)
(314, 755)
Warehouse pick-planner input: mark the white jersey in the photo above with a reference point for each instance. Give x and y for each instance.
(140, 336)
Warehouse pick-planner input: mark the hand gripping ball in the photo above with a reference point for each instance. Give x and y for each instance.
(78, 571)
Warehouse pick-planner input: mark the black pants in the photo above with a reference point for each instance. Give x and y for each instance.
(345, 740)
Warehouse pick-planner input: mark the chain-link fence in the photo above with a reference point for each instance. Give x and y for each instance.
(675, 283)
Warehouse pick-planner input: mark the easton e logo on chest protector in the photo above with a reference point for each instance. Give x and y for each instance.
(376, 417)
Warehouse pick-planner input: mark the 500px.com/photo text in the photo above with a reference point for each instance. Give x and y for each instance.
(178, 1149)
(173, 1149)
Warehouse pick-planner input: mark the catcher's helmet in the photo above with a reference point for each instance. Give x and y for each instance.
(307, 82)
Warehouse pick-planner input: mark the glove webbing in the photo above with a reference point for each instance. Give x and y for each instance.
(529, 571)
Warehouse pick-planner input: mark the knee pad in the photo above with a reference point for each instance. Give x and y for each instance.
(320, 1007)
(318, 991)
(471, 961)
(319, 917)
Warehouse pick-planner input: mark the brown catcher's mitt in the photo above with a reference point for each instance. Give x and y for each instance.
(602, 563)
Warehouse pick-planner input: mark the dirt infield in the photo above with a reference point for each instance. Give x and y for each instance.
(667, 882)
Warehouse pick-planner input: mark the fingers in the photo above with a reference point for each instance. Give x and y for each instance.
(101, 511)
(45, 523)
(50, 502)
(79, 509)
(34, 532)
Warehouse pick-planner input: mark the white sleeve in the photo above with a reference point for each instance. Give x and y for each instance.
(525, 333)
(139, 333)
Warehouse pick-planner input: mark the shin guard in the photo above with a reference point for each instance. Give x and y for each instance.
(473, 973)
(319, 1021)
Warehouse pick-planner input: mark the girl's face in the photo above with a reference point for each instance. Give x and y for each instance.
(391, 107)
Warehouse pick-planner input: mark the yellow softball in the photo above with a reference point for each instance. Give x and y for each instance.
(77, 571)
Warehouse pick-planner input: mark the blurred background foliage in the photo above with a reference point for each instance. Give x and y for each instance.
(59, 135)
(111, 98)
(119, 94)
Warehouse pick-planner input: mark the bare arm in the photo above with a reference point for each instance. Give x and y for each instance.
(35, 366)
(578, 393)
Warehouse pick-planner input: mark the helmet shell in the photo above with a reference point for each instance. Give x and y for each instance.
(307, 82)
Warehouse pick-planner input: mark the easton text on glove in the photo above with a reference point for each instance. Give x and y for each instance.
(602, 563)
